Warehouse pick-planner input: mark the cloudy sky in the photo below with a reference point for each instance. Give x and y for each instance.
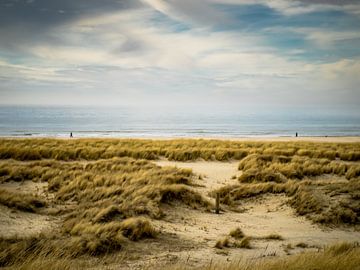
(181, 52)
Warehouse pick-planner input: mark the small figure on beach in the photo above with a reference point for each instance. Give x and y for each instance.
(71, 135)
(296, 134)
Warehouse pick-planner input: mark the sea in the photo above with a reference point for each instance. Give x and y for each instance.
(125, 122)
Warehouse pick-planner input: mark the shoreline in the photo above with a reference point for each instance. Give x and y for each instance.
(330, 139)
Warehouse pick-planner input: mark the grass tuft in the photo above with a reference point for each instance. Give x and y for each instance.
(237, 233)
(23, 202)
(137, 228)
(243, 243)
(221, 243)
(273, 236)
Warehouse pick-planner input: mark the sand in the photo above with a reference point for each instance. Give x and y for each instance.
(329, 139)
(18, 223)
(187, 236)
(262, 216)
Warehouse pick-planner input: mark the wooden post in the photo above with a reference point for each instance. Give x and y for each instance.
(217, 209)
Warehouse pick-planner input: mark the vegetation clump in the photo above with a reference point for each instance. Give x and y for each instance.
(273, 236)
(293, 172)
(24, 202)
(243, 243)
(102, 204)
(107, 193)
(180, 150)
(345, 256)
(223, 242)
(237, 233)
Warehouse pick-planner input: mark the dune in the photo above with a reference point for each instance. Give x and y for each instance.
(135, 204)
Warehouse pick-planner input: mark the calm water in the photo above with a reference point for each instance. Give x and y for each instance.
(121, 122)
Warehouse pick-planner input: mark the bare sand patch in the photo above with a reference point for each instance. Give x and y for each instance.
(188, 236)
(18, 223)
(35, 188)
(212, 175)
(261, 216)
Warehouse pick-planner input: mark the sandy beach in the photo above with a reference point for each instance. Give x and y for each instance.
(180, 135)
(278, 224)
(328, 139)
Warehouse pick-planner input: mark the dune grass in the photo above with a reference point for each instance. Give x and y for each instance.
(180, 150)
(237, 233)
(223, 242)
(326, 203)
(24, 202)
(106, 192)
(294, 174)
(243, 243)
(240, 240)
(271, 168)
(103, 204)
(345, 256)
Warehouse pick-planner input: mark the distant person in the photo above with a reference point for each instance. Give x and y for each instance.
(71, 135)
(296, 134)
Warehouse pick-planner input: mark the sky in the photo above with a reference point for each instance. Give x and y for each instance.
(216, 53)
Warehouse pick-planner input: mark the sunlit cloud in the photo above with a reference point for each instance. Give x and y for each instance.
(180, 52)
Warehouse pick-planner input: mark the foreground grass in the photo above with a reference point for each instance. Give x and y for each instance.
(103, 204)
(344, 256)
(107, 192)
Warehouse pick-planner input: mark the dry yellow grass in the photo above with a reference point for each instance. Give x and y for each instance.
(294, 175)
(243, 243)
(106, 203)
(237, 233)
(273, 236)
(23, 202)
(319, 203)
(106, 192)
(271, 168)
(344, 256)
(181, 150)
(223, 242)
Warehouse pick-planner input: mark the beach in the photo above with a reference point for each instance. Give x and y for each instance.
(321, 139)
(180, 135)
(271, 189)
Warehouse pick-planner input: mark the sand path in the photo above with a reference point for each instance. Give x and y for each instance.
(213, 175)
(189, 235)
(262, 216)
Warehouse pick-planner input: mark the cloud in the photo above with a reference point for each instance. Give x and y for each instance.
(177, 52)
(297, 7)
(195, 12)
(324, 38)
(25, 23)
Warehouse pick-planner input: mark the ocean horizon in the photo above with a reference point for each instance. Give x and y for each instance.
(121, 122)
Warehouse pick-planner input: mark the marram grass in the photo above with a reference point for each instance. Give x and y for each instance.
(180, 150)
(106, 193)
(103, 204)
(344, 256)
